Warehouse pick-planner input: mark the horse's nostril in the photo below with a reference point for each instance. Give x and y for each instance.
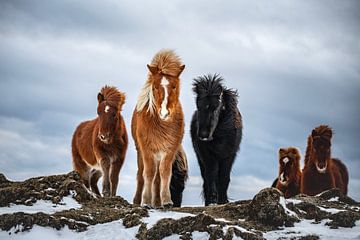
(102, 137)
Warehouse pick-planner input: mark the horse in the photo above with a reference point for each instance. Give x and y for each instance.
(216, 133)
(322, 172)
(289, 178)
(157, 128)
(99, 145)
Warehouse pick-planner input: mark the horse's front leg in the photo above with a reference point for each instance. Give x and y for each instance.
(224, 180)
(139, 179)
(165, 170)
(148, 174)
(114, 174)
(211, 175)
(105, 166)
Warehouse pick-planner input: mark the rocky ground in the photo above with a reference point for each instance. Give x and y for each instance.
(267, 214)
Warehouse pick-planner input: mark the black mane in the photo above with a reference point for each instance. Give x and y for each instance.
(212, 85)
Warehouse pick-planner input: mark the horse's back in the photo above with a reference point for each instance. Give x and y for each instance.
(341, 175)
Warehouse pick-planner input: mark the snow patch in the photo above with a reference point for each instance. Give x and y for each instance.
(330, 210)
(155, 216)
(282, 201)
(334, 199)
(307, 227)
(44, 206)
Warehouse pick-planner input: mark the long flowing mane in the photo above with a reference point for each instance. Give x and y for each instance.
(168, 63)
(113, 96)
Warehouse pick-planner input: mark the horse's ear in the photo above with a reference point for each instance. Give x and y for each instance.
(100, 97)
(182, 67)
(152, 69)
(313, 133)
(281, 151)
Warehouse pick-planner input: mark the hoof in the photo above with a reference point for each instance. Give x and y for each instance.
(106, 194)
(147, 206)
(168, 205)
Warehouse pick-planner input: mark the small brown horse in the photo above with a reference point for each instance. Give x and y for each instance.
(289, 179)
(99, 145)
(321, 172)
(158, 128)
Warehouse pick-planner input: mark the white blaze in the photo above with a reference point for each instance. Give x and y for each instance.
(164, 112)
(107, 108)
(286, 160)
(282, 179)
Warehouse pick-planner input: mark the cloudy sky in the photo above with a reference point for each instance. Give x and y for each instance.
(296, 65)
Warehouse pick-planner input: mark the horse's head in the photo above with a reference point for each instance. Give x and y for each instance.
(289, 164)
(321, 146)
(110, 102)
(209, 103)
(165, 90)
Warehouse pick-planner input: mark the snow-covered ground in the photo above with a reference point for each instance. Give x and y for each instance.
(307, 227)
(42, 206)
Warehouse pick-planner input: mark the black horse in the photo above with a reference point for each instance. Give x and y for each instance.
(216, 132)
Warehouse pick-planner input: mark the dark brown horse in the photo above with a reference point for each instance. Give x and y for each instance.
(99, 145)
(158, 128)
(321, 172)
(289, 179)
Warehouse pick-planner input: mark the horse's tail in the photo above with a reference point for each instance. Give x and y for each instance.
(344, 173)
(179, 177)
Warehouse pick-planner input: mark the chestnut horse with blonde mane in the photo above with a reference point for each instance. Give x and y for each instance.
(289, 179)
(321, 172)
(99, 145)
(158, 128)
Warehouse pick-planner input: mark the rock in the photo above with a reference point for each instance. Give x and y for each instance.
(344, 219)
(266, 208)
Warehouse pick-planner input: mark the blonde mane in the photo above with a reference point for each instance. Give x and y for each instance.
(167, 63)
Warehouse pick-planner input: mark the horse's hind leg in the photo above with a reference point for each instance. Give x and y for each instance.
(81, 167)
(94, 178)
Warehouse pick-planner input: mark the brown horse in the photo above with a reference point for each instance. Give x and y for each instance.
(158, 128)
(99, 145)
(289, 179)
(321, 172)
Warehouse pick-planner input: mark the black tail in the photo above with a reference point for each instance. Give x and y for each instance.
(179, 177)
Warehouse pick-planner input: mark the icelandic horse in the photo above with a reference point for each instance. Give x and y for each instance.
(289, 178)
(99, 145)
(322, 172)
(157, 128)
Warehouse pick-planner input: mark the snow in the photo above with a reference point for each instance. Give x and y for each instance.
(330, 210)
(107, 231)
(282, 201)
(42, 206)
(294, 201)
(334, 199)
(306, 227)
(155, 216)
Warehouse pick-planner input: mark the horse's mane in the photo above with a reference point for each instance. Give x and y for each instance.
(323, 131)
(168, 63)
(113, 96)
(211, 85)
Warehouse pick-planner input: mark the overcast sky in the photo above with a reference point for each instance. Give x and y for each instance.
(296, 65)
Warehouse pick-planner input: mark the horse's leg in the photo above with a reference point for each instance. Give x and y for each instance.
(156, 201)
(224, 180)
(211, 175)
(105, 166)
(94, 178)
(114, 174)
(149, 173)
(81, 167)
(165, 170)
(140, 180)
